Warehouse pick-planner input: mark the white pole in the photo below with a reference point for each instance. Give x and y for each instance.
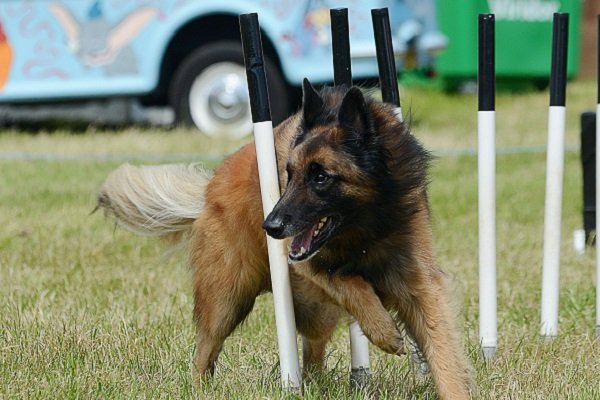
(359, 359)
(552, 221)
(399, 114)
(486, 160)
(388, 79)
(359, 352)
(554, 177)
(598, 219)
(418, 360)
(360, 369)
(270, 193)
(280, 279)
(486, 186)
(598, 177)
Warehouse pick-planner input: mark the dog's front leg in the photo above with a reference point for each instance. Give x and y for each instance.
(358, 298)
(429, 318)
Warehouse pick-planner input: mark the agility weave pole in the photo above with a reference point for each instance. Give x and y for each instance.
(486, 160)
(554, 177)
(598, 180)
(386, 62)
(270, 193)
(340, 47)
(360, 368)
(388, 82)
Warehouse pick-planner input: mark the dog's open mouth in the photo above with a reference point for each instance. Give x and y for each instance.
(307, 244)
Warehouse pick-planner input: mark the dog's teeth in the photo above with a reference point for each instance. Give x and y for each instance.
(302, 250)
(316, 232)
(323, 220)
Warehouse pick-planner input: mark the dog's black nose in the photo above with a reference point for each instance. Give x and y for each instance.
(274, 227)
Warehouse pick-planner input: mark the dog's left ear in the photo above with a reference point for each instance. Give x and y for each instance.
(354, 115)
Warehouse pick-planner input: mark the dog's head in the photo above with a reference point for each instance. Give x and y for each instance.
(331, 170)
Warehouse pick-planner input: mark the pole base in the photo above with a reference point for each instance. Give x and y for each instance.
(598, 331)
(360, 377)
(418, 360)
(488, 353)
(293, 388)
(547, 338)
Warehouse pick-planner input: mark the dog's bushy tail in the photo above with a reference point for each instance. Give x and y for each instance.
(161, 200)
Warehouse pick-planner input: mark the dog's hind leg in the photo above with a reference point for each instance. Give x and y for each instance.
(218, 310)
(225, 289)
(313, 353)
(429, 318)
(219, 307)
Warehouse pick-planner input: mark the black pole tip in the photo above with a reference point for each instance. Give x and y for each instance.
(338, 12)
(598, 57)
(388, 76)
(486, 77)
(340, 43)
(487, 17)
(255, 69)
(380, 12)
(558, 70)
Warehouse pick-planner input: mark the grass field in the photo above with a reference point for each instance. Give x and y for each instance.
(89, 311)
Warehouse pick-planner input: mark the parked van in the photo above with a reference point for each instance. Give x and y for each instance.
(182, 53)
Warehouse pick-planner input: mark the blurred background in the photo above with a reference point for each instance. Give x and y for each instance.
(178, 62)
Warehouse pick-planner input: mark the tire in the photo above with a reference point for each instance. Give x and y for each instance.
(209, 91)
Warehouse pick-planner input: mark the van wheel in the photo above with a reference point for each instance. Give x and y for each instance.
(209, 91)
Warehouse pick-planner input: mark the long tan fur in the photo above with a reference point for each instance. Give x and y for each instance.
(161, 200)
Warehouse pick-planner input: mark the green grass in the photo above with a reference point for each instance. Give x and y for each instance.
(89, 311)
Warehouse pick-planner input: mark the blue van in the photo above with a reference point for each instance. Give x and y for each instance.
(181, 53)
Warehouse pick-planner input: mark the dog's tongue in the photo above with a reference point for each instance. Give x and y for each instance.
(303, 240)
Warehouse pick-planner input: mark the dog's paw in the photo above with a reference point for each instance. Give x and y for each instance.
(391, 343)
(400, 349)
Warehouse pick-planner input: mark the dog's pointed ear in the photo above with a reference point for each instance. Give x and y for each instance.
(354, 115)
(312, 104)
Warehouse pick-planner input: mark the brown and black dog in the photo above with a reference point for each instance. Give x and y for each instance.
(355, 213)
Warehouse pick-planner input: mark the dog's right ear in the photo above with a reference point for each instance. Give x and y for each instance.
(354, 114)
(312, 104)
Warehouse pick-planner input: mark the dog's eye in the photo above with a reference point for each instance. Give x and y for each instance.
(321, 177)
(317, 174)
